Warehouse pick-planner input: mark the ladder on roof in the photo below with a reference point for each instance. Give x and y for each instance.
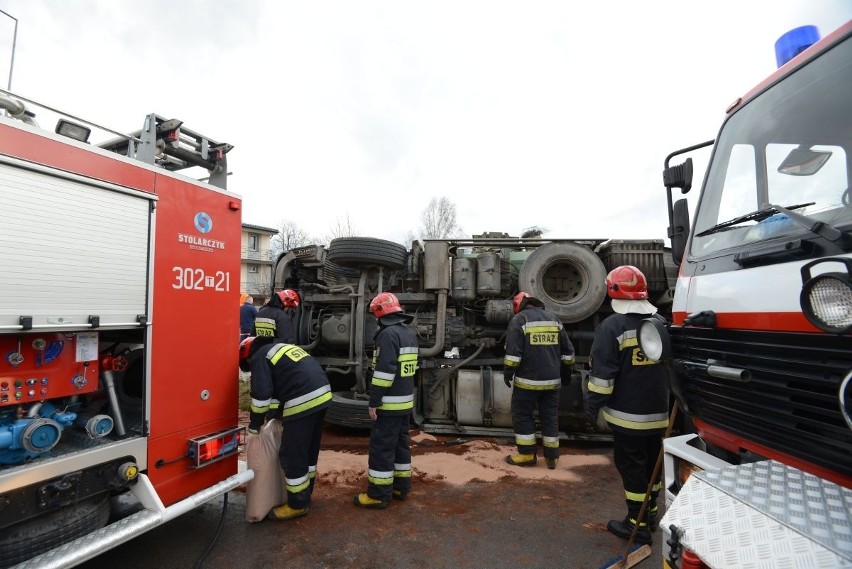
(166, 143)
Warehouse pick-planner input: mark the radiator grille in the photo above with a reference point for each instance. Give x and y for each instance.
(791, 402)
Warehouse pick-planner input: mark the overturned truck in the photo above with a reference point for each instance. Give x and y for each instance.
(459, 292)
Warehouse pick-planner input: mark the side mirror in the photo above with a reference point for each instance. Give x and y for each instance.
(679, 176)
(679, 231)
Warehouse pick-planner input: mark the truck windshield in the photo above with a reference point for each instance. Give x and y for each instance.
(789, 145)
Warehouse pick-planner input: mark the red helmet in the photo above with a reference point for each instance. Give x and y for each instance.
(626, 282)
(245, 352)
(518, 299)
(289, 298)
(385, 303)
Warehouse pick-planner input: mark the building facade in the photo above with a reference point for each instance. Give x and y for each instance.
(257, 258)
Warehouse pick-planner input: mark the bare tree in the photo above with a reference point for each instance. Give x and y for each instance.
(260, 284)
(439, 219)
(342, 228)
(290, 235)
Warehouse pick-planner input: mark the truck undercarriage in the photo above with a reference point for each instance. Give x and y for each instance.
(459, 292)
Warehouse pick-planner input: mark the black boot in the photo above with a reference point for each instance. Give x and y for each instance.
(623, 529)
(653, 520)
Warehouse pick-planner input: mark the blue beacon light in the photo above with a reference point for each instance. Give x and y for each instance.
(795, 42)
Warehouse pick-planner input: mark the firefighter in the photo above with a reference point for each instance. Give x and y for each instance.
(276, 317)
(286, 376)
(631, 394)
(391, 403)
(539, 355)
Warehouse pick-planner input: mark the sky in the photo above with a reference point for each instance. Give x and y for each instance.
(554, 114)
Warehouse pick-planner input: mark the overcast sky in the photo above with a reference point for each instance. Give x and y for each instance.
(539, 113)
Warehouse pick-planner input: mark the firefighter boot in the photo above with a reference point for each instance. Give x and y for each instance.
(551, 462)
(400, 495)
(364, 501)
(623, 529)
(285, 512)
(522, 459)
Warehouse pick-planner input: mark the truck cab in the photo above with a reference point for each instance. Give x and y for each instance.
(759, 348)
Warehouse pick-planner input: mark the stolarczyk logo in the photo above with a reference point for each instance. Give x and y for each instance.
(203, 222)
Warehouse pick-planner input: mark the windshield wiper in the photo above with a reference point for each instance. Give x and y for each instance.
(815, 226)
(758, 215)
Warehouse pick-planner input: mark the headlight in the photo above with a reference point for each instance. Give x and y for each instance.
(654, 339)
(826, 299)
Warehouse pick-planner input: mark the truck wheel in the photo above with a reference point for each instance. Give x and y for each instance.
(27, 539)
(366, 250)
(570, 280)
(346, 411)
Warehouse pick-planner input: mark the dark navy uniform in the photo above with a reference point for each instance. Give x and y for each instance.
(392, 395)
(537, 348)
(274, 320)
(632, 393)
(286, 377)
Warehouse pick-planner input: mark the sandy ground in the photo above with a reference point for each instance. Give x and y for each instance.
(473, 461)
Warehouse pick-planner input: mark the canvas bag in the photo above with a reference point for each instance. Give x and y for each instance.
(267, 489)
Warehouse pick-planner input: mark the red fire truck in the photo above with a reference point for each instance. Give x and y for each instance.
(760, 349)
(118, 297)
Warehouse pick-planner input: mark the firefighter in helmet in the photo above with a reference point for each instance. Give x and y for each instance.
(629, 392)
(277, 317)
(287, 377)
(539, 355)
(391, 404)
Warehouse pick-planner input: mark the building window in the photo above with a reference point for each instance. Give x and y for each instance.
(252, 268)
(253, 242)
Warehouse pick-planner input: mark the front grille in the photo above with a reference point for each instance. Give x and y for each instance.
(791, 401)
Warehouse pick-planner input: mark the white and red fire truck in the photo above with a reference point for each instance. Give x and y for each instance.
(760, 347)
(118, 296)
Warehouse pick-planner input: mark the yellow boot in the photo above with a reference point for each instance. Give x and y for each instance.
(522, 459)
(285, 512)
(364, 501)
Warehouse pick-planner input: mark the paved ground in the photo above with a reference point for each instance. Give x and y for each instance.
(523, 520)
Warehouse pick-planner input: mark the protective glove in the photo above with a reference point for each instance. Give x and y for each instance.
(565, 373)
(255, 422)
(508, 378)
(601, 423)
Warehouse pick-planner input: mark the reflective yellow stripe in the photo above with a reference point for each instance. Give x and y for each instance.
(380, 477)
(602, 386)
(634, 496)
(511, 361)
(299, 487)
(635, 425)
(550, 442)
(264, 327)
(533, 385)
(524, 440)
(295, 409)
(295, 353)
(381, 382)
(397, 406)
(597, 389)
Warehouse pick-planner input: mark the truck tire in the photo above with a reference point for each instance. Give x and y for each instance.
(346, 411)
(354, 251)
(570, 279)
(335, 274)
(27, 539)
